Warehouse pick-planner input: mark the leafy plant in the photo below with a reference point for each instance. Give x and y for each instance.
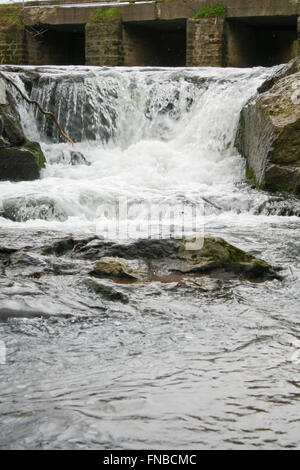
(210, 12)
(10, 15)
(103, 15)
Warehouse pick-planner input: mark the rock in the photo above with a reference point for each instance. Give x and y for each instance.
(77, 158)
(20, 209)
(20, 159)
(11, 130)
(268, 134)
(169, 260)
(219, 257)
(22, 163)
(118, 268)
(106, 291)
(65, 245)
(280, 205)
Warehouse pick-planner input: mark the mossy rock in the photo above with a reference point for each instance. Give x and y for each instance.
(168, 260)
(20, 158)
(218, 256)
(118, 268)
(105, 291)
(268, 134)
(21, 163)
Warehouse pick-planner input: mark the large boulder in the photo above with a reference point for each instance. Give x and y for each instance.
(170, 260)
(268, 134)
(20, 159)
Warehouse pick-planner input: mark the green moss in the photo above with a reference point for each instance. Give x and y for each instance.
(10, 15)
(210, 12)
(236, 254)
(100, 15)
(35, 147)
(105, 291)
(282, 188)
(250, 175)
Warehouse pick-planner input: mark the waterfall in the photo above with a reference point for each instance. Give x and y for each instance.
(144, 135)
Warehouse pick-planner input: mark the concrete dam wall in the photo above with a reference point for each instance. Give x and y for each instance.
(152, 33)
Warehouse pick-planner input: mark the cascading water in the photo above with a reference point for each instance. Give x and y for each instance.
(188, 359)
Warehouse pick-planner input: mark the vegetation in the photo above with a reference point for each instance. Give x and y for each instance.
(103, 15)
(10, 15)
(210, 12)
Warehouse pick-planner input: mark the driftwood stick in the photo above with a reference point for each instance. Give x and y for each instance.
(47, 113)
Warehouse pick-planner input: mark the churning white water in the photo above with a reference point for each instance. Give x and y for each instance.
(147, 137)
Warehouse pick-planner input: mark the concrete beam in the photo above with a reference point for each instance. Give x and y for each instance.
(172, 10)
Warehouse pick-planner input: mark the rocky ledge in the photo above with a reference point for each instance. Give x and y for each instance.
(20, 159)
(165, 260)
(268, 134)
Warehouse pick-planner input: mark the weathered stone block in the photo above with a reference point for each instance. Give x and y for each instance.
(13, 45)
(205, 42)
(101, 38)
(269, 133)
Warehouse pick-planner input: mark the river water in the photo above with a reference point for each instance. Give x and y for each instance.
(208, 366)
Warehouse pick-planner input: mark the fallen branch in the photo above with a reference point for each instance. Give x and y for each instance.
(47, 113)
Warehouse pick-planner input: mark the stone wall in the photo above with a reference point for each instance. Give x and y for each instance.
(103, 43)
(205, 42)
(13, 48)
(298, 34)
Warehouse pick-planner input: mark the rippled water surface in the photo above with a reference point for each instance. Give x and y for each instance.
(198, 366)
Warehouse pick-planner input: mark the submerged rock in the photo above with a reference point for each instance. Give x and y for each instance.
(169, 260)
(280, 205)
(118, 268)
(268, 134)
(68, 244)
(106, 291)
(20, 209)
(20, 159)
(77, 158)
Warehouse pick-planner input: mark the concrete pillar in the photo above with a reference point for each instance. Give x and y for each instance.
(103, 43)
(13, 45)
(205, 42)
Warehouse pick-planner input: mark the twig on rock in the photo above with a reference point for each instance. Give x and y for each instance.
(47, 113)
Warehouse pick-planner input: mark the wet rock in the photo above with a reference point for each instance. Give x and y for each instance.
(66, 245)
(6, 252)
(21, 257)
(107, 292)
(67, 157)
(20, 209)
(21, 164)
(60, 247)
(169, 260)
(77, 158)
(268, 134)
(20, 159)
(118, 268)
(219, 257)
(22, 263)
(280, 205)
(143, 248)
(11, 130)
(7, 313)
